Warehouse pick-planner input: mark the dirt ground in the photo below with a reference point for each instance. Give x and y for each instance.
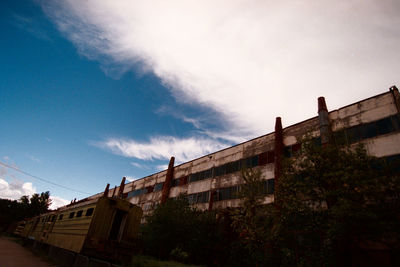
(13, 254)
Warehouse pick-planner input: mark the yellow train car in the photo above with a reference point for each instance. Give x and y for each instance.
(104, 227)
(71, 226)
(38, 228)
(96, 226)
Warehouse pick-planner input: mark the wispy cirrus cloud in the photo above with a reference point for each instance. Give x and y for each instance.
(162, 148)
(30, 25)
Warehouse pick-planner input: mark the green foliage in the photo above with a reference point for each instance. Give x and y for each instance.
(13, 211)
(146, 261)
(252, 222)
(178, 230)
(332, 200)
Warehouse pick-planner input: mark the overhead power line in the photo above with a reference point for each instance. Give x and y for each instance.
(43, 180)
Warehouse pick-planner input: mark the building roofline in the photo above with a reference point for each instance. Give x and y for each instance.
(264, 135)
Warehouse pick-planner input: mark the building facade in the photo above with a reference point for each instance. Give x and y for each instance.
(211, 181)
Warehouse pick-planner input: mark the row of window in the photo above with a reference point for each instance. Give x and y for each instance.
(367, 130)
(354, 134)
(345, 136)
(233, 191)
(230, 167)
(227, 193)
(89, 212)
(202, 197)
(226, 168)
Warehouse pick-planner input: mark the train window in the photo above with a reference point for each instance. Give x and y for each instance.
(89, 212)
(71, 215)
(79, 213)
(60, 217)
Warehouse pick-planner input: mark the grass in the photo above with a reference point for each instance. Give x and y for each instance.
(146, 261)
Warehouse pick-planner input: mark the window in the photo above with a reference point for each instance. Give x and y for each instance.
(79, 213)
(53, 218)
(227, 193)
(60, 217)
(202, 197)
(71, 215)
(270, 186)
(385, 126)
(175, 182)
(158, 187)
(137, 192)
(89, 212)
(149, 189)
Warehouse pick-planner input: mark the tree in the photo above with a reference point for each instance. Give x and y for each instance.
(176, 230)
(39, 203)
(252, 221)
(333, 202)
(13, 211)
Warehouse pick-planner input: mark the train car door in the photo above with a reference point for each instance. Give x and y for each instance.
(118, 225)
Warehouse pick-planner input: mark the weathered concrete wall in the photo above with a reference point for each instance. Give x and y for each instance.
(365, 111)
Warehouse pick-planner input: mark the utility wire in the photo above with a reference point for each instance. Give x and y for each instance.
(43, 180)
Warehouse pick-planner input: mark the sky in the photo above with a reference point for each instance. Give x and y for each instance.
(92, 91)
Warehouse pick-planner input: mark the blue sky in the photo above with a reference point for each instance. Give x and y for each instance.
(91, 91)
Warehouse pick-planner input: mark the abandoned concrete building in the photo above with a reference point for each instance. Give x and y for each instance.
(211, 181)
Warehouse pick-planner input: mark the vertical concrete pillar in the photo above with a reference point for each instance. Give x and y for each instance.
(278, 154)
(211, 202)
(396, 97)
(278, 150)
(115, 189)
(324, 123)
(168, 180)
(121, 188)
(106, 190)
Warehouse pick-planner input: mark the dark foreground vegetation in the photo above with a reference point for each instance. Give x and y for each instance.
(333, 207)
(13, 211)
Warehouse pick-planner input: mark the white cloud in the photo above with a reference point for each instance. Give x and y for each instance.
(130, 178)
(250, 61)
(162, 167)
(138, 165)
(57, 202)
(163, 148)
(15, 189)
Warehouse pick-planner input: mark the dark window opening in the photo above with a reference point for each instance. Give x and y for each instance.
(175, 182)
(71, 215)
(202, 197)
(60, 217)
(150, 189)
(158, 187)
(89, 212)
(79, 213)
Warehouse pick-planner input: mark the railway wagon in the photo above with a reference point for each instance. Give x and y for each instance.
(102, 226)
(105, 227)
(37, 228)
